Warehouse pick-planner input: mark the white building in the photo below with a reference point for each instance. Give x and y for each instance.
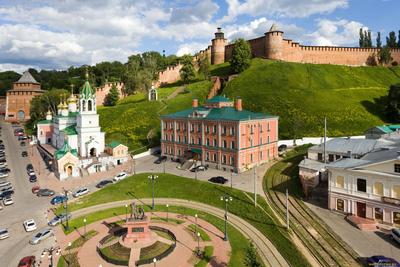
(75, 140)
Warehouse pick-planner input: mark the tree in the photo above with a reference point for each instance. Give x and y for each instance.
(361, 38)
(204, 66)
(392, 107)
(187, 71)
(251, 257)
(369, 44)
(398, 43)
(385, 56)
(112, 97)
(378, 40)
(391, 40)
(241, 55)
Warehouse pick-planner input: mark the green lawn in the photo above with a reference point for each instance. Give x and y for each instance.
(68, 260)
(117, 252)
(207, 255)
(82, 240)
(203, 235)
(170, 220)
(153, 250)
(302, 94)
(130, 121)
(171, 186)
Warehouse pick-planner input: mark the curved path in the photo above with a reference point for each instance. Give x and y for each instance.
(267, 251)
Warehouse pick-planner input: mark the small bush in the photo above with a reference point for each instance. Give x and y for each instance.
(395, 63)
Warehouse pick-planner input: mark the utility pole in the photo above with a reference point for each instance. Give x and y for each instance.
(287, 209)
(325, 140)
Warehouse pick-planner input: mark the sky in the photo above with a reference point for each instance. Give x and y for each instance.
(57, 34)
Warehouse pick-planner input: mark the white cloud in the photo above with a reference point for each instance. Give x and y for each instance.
(190, 48)
(287, 8)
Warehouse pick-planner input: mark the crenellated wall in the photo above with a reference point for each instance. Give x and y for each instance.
(102, 91)
(170, 75)
(273, 46)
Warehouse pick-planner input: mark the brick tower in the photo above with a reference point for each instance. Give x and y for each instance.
(218, 48)
(273, 43)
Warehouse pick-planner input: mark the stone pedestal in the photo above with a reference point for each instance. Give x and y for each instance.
(137, 230)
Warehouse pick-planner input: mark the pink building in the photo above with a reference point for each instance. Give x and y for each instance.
(220, 134)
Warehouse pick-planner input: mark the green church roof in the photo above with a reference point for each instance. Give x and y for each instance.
(114, 144)
(64, 150)
(44, 122)
(87, 91)
(217, 99)
(389, 128)
(70, 130)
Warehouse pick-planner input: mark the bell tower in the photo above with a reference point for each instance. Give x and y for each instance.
(218, 48)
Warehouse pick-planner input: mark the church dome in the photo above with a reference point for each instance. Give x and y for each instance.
(72, 99)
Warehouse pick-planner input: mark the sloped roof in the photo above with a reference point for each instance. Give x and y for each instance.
(348, 163)
(389, 128)
(87, 91)
(114, 144)
(217, 99)
(27, 78)
(274, 28)
(44, 122)
(64, 150)
(70, 130)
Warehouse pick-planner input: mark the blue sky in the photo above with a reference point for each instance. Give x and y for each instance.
(49, 34)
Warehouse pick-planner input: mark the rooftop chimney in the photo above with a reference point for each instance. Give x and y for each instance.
(195, 103)
(238, 104)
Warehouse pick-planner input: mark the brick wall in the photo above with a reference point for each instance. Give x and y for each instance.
(102, 92)
(170, 75)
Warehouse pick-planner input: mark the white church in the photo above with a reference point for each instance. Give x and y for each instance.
(74, 138)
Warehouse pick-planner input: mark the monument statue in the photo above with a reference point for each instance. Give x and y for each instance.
(137, 212)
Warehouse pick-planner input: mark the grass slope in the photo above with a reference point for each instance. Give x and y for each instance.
(302, 94)
(130, 121)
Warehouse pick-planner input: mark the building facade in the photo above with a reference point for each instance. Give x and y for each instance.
(368, 187)
(220, 134)
(273, 45)
(18, 99)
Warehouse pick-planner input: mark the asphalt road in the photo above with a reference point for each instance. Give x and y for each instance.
(26, 205)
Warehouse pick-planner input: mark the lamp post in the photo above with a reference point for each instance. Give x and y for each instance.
(231, 179)
(226, 199)
(195, 220)
(50, 252)
(126, 212)
(198, 244)
(164, 166)
(84, 227)
(154, 261)
(255, 185)
(153, 177)
(167, 211)
(66, 209)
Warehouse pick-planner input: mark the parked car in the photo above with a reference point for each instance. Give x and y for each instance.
(5, 170)
(120, 176)
(4, 234)
(28, 261)
(58, 200)
(42, 235)
(35, 189)
(29, 167)
(198, 168)
(104, 183)
(29, 225)
(33, 179)
(161, 160)
(22, 138)
(22, 143)
(81, 192)
(6, 188)
(24, 154)
(5, 184)
(282, 148)
(3, 164)
(7, 201)
(382, 261)
(218, 180)
(177, 160)
(31, 172)
(395, 234)
(3, 174)
(44, 192)
(59, 219)
(6, 193)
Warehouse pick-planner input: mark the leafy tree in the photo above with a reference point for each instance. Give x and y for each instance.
(378, 40)
(112, 97)
(241, 55)
(392, 108)
(204, 66)
(187, 71)
(385, 56)
(391, 40)
(251, 257)
(369, 44)
(361, 38)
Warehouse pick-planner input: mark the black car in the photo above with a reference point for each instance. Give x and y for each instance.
(33, 179)
(282, 148)
(104, 183)
(22, 143)
(29, 167)
(218, 180)
(24, 154)
(6, 194)
(161, 160)
(5, 170)
(2, 160)
(45, 192)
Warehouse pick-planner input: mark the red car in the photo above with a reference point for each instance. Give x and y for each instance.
(35, 189)
(28, 261)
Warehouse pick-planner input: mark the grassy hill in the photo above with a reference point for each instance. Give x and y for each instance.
(131, 120)
(302, 94)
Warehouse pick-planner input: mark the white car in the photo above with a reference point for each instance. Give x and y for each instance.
(42, 235)
(3, 164)
(3, 174)
(120, 176)
(8, 201)
(395, 233)
(4, 234)
(81, 192)
(29, 225)
(31, 172)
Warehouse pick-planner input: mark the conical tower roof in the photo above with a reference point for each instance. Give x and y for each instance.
(87, 91)
(27, 78)
(274, 28)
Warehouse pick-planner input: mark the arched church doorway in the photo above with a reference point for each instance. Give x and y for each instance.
(93, 152)
(21, 115)
(68, 170)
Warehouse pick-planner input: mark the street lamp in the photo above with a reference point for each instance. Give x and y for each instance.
(198, 244)
(167, 211)
(154, 261)
(84, 225)
(226, 199)
(195, 220)
(153, 177)
(50, 252)
(66, 209)
(126, 212)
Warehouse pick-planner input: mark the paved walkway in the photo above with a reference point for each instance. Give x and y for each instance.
(182, 256)
(268, 253)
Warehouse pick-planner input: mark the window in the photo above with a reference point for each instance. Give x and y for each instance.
(340, 181)
(41, 133)
(337, 157)
(268, 129)
(396, 191)
(331, 157)
(208, 142)
(233, 131)
(233, 144)
(268, 139)
(199, 141)
(207, 156)
(378, 188)
(224, 159)
(261, 128)
(397, 168)
(340, 205)
(319, 156)
(232, 159)
(261, 155)
(207, 129)
(260, 141)
(396, 217)
(185, 139)
(251, 129)
(378, 214)
(361, 185)
(251, 157)
(215, 157)
(192, 141)
(224, 130)
(215, 128)
(251, 142)
(179, 152)
(179, 138)
(192, 127)
(224, 144)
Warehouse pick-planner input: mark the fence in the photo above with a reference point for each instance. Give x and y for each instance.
(313, 140)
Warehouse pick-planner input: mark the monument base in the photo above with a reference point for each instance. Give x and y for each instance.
(137, 231)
